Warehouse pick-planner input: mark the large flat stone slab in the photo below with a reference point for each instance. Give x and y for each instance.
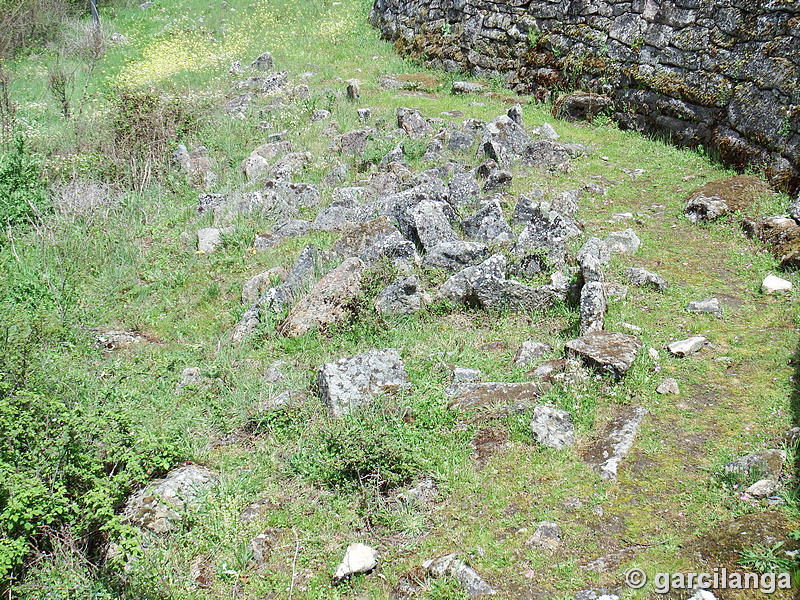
(606, 350)
(615, 442)
(350, 383)
(471, 395)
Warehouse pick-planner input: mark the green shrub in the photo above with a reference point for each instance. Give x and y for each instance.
(372, 448)
(22, 189)
(70, 451)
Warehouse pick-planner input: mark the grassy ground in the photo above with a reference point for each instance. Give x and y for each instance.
(127, 268)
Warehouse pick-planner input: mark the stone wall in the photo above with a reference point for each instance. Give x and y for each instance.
(724, 74)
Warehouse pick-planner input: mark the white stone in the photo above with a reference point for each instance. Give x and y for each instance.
(359, 558)
(668, 386)
(762, 488)
(688, 346)
(775, 285)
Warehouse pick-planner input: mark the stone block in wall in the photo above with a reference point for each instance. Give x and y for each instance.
(758, 115)
(628, 29)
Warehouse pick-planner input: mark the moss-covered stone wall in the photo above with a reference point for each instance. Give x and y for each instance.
(724, 74)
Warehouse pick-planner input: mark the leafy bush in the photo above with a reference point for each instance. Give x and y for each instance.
(22, 189)
(69, 451)
(145, 124)
(372, 448)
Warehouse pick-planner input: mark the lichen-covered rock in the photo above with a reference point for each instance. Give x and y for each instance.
(373, 240)
(400, 298)
(160, 505)
(472, 395)
(488, 224)
(606, 350)
(706, 305)
(328, 300)
(451, 566)
(529, 351)
(623, 242)
(431, 222)
(458, 286)
(545, 236)
(552, 427)
(349, 383)
(643, 277)
(455, 255)
(277, 298)
(413, 123)
(764, 463)
(593, 306)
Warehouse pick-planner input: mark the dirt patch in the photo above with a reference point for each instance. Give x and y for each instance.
(721, 546)
(740, 193)
(419, 81)
(488, 442)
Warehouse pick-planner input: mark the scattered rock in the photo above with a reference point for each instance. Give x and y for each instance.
(762, 488)
(606, 350)
(328, 300)
(431, 223)
(458, 286)
(547, 155)
(118, 339)
(353, 90)
(265, 62)
(643, 277)
(413, 123)
(451, 566)
(688, 346)
(460, 141)
(566, 203)
(277, 298)
(552, 427)
(775, 285)
(488, 224)
(529, 351)
(190, 376)
(593, 306)
(465, 375)
(400, 298)
(209, 239)
(546, 131)
(161, 503)
(468, 87)
(498, 179)
(358, 558)
(708, 305)
(623, 242)
(455, 255)
(616, 441)
(762, 464)
(546, 537)
(255, 287)
(349, 383)
(668, 386)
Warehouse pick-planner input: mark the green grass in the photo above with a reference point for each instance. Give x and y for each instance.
(126, 267)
